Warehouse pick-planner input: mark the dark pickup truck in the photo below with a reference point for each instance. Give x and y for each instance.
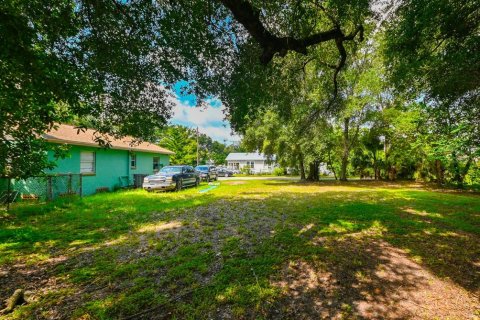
(171, 178)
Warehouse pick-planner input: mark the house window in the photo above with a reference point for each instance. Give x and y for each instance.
(156, 164)
(250, 164)
(87, 162)
(133, 161)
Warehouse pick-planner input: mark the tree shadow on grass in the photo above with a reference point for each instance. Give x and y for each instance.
(379, 184)
(281, 255)
(87, 221)
(442, 231)
(363, 275)
(363, 278)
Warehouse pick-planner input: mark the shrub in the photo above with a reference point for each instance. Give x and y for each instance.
(293, 172)
(278, 171)
(245, 170)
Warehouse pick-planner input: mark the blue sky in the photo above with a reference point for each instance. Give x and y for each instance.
(210, 120)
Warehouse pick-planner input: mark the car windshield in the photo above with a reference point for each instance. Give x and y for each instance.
(170, 170)
(202, 168)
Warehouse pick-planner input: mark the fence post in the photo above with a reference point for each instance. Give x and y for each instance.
(49, 188)
(69, 191)
(81, 183)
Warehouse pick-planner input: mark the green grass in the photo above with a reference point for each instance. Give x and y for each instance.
(195, 255)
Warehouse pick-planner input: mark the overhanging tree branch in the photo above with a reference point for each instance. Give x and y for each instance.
(249, 17)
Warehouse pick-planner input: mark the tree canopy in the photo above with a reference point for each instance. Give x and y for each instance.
(333, 64)
(115, 61)
(183, 141)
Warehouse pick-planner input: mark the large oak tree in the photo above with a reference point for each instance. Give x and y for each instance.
(113, 62)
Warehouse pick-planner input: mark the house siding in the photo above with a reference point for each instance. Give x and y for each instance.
(145, 163)
(259, 165)
(110, 166)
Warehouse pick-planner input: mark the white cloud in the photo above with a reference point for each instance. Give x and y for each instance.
(210, 120)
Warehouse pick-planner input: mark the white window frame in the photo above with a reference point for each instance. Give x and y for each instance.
(158, 164)
(133, 159)
(90, 162)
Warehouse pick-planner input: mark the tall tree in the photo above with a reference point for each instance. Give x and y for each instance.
(182, 141)
(117, 60)
(430, 49)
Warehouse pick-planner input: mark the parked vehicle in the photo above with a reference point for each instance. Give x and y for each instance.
(223, 172)
(206, 172)
(172, 178)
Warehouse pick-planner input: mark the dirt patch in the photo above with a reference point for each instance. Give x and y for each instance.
(368, 279)
(160, 227)
(233, 183)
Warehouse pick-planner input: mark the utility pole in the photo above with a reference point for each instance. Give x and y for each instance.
(197, 148)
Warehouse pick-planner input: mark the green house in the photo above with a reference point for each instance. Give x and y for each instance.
(104, 169)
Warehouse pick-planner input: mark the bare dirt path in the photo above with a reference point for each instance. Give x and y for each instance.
(369, 280)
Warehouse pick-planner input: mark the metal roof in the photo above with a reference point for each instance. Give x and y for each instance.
(249, 156)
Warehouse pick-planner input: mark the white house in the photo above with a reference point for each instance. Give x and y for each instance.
(257, 162)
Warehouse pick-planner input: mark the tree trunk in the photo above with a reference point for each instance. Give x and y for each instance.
(392, 173)
(343, 169)
(457, 176)
(439, 172)
(313, 174)
(302, 166)
(346, 150)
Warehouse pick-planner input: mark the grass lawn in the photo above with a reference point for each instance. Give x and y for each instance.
(247, 249)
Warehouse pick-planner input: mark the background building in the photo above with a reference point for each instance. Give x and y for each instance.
(256, 162)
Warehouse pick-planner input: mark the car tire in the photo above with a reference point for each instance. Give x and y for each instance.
(216, 178)
(179, 185)
(197, 182)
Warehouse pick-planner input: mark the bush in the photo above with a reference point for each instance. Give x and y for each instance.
(278, 171)
(473, 176)
(245, 170)
(293, 172)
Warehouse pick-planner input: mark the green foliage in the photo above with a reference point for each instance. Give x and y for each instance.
(183, 141)
(374, 131)
(245, 170)
(278, 171)
(62, 59)
(430, 46)
(429, 52)
(111, 65)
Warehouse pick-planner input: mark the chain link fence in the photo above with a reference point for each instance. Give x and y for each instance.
(41, 188)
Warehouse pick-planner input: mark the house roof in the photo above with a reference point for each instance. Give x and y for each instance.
(252, 156)
(65, 133)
